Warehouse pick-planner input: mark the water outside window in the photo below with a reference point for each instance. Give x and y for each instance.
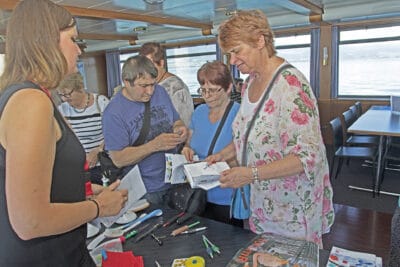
(185, 61)
(369, 62)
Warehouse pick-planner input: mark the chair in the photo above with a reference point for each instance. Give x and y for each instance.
(342, 152)
(391, 157)
(348, 118)
(353, 108)
(358, 109)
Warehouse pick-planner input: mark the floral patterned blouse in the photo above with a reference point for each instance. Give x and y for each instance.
(298, 206)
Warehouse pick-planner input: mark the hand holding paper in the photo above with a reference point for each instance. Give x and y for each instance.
(133, 183)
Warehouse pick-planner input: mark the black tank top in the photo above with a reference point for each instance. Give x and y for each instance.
(68, 185)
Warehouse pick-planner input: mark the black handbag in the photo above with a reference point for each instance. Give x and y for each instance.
(108, 168)
(193, 200)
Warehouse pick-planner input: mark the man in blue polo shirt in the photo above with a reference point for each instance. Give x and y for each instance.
(123, 120)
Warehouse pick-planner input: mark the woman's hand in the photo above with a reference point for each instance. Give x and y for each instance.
(110, 200)
(188, 153)
(236, 177)
(97, 189)
(214, 158)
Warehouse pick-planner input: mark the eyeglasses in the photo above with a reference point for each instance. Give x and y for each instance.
(66, 95)
(211, 91)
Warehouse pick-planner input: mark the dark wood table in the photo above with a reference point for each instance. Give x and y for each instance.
(227, 237)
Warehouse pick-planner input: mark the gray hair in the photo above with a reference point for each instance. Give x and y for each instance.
(137, 67)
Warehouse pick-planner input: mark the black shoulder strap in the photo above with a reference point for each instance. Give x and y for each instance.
(260, 104)
(145, 127)
(221, 124)
(11, 89)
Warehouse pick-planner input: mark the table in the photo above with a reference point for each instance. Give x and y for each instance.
(227, 237)
(383, 123)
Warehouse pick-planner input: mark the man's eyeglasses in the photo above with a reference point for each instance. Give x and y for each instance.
(66, 95)
(211, 91)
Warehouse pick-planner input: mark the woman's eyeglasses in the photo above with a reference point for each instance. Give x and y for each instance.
(66, 95)
(210, 91)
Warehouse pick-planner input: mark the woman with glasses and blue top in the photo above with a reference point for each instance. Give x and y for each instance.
(215, 87)
(83, 111)
(123, 120)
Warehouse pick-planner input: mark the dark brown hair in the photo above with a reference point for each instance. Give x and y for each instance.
(216, 73)
(154, 49)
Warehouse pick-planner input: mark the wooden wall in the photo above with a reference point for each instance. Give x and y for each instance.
(96, 73)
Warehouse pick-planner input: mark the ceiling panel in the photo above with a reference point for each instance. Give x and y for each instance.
(187, 19)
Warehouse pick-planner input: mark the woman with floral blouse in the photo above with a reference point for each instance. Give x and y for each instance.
(283, 152)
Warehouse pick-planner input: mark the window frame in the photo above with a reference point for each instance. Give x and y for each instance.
(336, 43)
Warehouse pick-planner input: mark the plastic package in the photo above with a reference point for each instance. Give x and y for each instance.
(111, 245)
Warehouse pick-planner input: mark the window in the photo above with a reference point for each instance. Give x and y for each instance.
(124, 57)
(185, 61)
(296, 50)
(369, 62)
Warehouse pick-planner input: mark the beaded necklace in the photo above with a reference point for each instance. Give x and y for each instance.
(86, 106)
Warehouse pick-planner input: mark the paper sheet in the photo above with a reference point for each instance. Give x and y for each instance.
(133, 182)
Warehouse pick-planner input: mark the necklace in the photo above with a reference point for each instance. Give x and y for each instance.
(159, 80)
(86, 106)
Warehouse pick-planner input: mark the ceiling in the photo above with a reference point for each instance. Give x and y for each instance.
(106, 25)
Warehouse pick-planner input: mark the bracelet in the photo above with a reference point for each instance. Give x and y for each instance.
(254, 170)
(98, 208)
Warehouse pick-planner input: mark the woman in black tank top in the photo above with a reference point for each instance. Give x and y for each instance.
(43, 208)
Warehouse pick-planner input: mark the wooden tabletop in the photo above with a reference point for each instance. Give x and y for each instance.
(377, 122)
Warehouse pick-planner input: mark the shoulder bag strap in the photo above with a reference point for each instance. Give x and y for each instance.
(145, 127)
(246, 136)
(221, 124)
(260, 104)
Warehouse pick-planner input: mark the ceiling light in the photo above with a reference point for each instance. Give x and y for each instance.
(229, 13)
(154, 2)
(140, 29)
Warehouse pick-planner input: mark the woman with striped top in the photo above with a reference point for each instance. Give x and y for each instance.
(83, 111)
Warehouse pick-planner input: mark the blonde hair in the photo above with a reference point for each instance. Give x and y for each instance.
(73, 81)
(246, 26)
(32, 44)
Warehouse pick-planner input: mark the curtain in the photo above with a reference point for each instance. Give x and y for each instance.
(113, 71)
(335, 61)
(315, 61)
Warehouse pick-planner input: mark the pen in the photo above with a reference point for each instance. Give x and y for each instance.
(158, 240)
(184, 218)
(208, 165)
(183, 228)
(149, 231)
(173, 219)
(194, 230)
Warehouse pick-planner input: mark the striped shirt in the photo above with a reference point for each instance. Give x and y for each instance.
(87, 124)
